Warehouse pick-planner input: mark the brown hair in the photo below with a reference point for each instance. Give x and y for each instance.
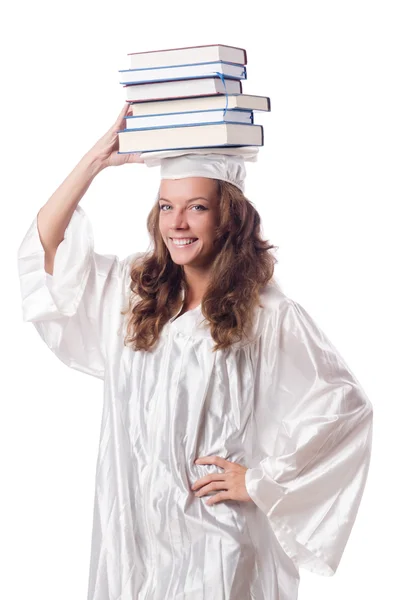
(242, 266)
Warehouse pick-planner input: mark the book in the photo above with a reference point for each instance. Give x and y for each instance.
(235, 101)
(139, 92)
(190, 136)
(190, 118)
(229, 70)
(187, 55)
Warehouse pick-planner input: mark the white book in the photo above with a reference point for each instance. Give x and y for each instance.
(182, 72)
(187, 55)
(241, 101)
(190, 118)
(190, 136)
(182, 88)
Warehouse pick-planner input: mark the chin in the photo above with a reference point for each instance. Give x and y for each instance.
(180, 260)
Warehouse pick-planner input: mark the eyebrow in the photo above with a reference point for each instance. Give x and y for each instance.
(190, 199)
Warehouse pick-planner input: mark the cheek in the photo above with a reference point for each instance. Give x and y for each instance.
(208, 233)
(204, 228)
(162, 225)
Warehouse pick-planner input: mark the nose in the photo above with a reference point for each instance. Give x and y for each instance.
(178, 219)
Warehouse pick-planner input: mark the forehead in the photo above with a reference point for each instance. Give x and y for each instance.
(188, 187)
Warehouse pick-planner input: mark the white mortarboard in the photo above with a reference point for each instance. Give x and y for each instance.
(226, 163)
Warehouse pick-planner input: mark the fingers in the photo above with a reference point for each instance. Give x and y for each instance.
(215, 485)
(213, 460)
(135, 158)
(219, 497)
(120, 121)
(207, 479)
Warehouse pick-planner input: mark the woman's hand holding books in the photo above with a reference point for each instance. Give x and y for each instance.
(105, 151)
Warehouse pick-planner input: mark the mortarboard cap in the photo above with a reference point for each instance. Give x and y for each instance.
(225, 163)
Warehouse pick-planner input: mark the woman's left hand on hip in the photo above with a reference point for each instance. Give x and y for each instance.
(231, 482)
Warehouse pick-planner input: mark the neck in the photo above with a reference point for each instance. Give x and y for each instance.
(197, 281)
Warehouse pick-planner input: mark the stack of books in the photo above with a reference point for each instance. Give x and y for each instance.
(191, 97)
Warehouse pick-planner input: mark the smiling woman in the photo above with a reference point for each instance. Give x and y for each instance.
(224, 269)
(235, 441)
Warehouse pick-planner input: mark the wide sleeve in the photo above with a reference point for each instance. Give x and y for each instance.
(314, 434)
(74, 309)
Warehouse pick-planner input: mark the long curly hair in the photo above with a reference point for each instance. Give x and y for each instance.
(242, 266)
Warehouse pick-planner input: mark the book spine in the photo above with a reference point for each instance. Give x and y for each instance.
(190, 112)
(189, 125)
(185, 48)
(211, 62)
(137, 101)
(224, 121)
(142, 82)
(180, 79)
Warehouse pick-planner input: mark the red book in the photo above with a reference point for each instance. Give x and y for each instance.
(187, 55)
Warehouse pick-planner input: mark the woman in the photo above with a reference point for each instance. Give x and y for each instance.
(235, 441)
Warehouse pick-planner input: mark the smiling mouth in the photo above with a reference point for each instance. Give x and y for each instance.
(184, 244)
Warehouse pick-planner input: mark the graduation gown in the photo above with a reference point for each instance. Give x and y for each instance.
(282, 402)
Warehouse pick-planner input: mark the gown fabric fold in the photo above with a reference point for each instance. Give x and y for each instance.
(281, 402)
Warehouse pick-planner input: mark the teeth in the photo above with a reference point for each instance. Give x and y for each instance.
(183, 242)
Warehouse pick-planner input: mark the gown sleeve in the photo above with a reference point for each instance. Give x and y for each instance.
(71, 310)
(314, 435)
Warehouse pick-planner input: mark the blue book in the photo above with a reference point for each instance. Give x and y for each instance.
(182, 88)
(188, 71)
(190, 136)
(189, 118)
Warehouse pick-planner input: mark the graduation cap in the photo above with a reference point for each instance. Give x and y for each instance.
(225, 163)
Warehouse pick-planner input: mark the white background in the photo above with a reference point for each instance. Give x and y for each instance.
(325, 187)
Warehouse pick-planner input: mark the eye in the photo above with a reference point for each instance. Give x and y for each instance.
(200, 206)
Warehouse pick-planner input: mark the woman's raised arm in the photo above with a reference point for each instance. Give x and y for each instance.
(72, 294)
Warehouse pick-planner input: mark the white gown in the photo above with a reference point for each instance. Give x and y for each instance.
(284, 404)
